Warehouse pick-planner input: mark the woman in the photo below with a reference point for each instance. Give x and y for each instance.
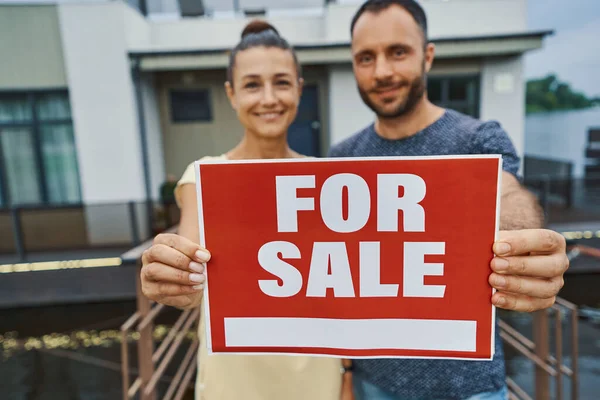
(263, 85)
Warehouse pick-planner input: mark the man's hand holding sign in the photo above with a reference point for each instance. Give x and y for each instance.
(530, 263)
(528, 269)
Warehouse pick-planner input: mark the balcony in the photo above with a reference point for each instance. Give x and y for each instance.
(44, 247)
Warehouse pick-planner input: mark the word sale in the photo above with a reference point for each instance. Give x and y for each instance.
(330, 265)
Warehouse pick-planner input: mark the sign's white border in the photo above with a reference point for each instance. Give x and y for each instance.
(206, 305)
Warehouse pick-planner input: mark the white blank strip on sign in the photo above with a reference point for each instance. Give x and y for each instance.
(408, 334)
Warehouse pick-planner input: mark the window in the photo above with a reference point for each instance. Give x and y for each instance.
(38, 163)
(460, 93)
(190, 105)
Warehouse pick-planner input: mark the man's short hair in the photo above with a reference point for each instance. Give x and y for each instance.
(376, 6)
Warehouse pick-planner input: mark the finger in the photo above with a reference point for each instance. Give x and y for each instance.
(159, 290)
(184, 245)
(157, 272)
(533, 287)
(519, 242)
(522, 303)
(162, 254)
(177, 301)
(540, 266)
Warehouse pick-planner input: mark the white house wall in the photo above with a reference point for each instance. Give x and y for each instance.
(104, 116)
(475, 17)
(445, 18)
(225, 33)
(29, 34)
(153, 133)
(103, 102)
(137, 29)
(138, 34)
(503, 96)
(347, 112)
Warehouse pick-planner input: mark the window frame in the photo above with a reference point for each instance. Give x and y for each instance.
(34, 125)
(209, 104)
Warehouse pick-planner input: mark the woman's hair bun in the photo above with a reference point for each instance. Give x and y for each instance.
(257, 26)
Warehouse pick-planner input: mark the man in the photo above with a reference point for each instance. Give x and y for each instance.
(391, 58)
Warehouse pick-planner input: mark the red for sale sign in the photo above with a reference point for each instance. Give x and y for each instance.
(377, 257)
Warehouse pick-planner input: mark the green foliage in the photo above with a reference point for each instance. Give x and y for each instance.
(549, 94)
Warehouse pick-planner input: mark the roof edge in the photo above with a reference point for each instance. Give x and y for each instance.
(317, 46)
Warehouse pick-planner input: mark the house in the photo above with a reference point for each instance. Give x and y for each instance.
(101, 100)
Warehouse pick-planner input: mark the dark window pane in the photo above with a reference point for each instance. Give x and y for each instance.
(457, 89)
(19, 166)
(21, 171)
(15, 108)
(462, 89)
(190, 106)
(60, 163)
(2, 200)
(456, 93)
(434, 90)
(53, 106)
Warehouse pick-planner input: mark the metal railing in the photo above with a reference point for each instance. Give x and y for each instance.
(152, 362)
(567, 199)
(30, 230)
(547, 366)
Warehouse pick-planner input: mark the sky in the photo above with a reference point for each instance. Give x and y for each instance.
(573, 52)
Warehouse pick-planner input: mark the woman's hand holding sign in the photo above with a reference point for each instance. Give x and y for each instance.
(173, 271)
(528, 270)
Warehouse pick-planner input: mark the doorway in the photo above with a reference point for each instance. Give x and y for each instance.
(304, 135)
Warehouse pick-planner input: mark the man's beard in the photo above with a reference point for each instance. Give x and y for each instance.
(415, 94)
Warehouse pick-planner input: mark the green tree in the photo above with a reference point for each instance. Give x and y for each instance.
(550, 94)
